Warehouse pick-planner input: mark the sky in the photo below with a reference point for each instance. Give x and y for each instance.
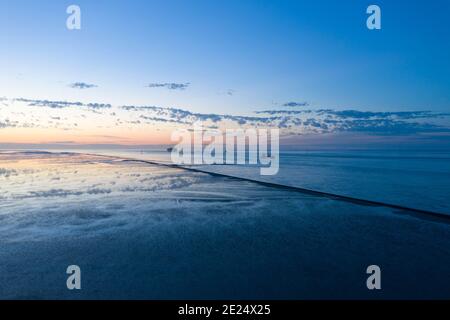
(234, 58)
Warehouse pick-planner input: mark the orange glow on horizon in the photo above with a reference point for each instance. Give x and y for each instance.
(57, 136)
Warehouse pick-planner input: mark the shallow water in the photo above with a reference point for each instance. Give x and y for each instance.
(143, 231)
(415, 179)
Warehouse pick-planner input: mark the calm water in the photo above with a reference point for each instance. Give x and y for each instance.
(149, 232)
(413, 179)
(409, 178)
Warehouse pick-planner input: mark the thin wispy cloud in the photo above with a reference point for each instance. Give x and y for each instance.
(62, 142)
(360, 114)
(228, 92)
(308, 121)
(82, 85)
(296, 104)
(170, 86)
(109, 137)
(3, 101)
(61, 104)
(297, 122)
(7, 124)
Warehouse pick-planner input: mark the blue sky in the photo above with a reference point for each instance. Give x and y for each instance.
(230, 57)
(268, 52)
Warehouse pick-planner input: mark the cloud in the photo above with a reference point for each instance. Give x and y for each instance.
(295, 122)
(328, 120)
(181, 116)
(8, 172)
(109, 137)
(156, 119)
(355, 114)
(97, 105)
(98, 191)
(3, 101)
(62, 104)
(228, 92)
(8, 124)
(399, 115)
(82, 85)
(296, 104)
(62, 142)
(170, 86)
(308, 121)
(53, 193)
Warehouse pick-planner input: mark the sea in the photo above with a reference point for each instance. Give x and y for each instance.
(411, 178)
(139, 229)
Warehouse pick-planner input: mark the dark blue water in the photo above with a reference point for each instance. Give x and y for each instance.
(409, 178)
